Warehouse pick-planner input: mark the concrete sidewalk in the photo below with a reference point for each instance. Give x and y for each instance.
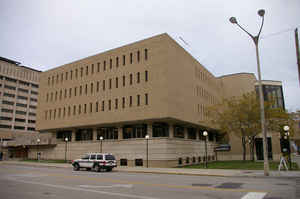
(176, 171)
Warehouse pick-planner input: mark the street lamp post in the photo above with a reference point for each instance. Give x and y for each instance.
(147, 151)
(37, 152)
(101, 139)
(205, 135)
(287, 137)
(66, 140)
(255, 39)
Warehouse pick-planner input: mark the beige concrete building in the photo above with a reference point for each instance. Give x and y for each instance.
(149, 87)
(19, 95)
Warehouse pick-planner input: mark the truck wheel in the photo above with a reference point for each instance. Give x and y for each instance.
(76, 167)
(97, 168)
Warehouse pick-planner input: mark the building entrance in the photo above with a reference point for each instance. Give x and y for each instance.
(260, 150)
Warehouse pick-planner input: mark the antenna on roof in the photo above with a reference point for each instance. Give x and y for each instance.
(183, 41)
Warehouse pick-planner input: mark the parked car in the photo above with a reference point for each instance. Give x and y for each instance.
(95, 161)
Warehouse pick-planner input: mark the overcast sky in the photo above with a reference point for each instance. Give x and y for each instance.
(45, 34)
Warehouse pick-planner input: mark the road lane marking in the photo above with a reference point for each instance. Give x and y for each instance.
(108, 186)
(100, 178)
(254, 195)
(81, 189)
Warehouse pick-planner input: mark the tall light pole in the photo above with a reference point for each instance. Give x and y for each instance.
(66, 140)
(101, 139)
(147, 151)
(37, 152)
(255, 39)
(287, 137)
(205, 133)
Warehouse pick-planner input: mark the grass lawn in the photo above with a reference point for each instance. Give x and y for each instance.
(45, 161)
(239, 164)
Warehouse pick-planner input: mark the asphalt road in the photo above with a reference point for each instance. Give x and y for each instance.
(55, 183)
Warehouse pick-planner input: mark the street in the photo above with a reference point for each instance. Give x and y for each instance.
(28, 182)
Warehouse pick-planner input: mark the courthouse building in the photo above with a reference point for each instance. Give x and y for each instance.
(151, 87)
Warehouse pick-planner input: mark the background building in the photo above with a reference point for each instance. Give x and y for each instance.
(18, 102)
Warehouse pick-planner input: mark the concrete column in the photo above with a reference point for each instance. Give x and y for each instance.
(171, 131)
(197, 134)
(94, 134)
(73, 135)
(185, 132)
(120, 134)
(149, 129)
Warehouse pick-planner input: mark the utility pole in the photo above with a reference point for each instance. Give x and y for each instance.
(297, 52)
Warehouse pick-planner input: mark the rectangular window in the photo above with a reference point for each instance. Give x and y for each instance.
(22, 97)
(97, 106)
(79, 109)
(75, 91)
(109, 105)
(138, 56)
(98, 67)
(138, 77)
(146, 99)
(87, 70)
(117, 61)
(19, 127)
(19, 112)
(9, 95)
(110, 83)
(55, 95)
(130, 58)
(70, 92)
(62, 77)
(92, 87)
(104, 65)
(71, 75)
(130, 101)
(130, 79)
(32, 107)
(123, 80)
(34, 92)
(10, 87)
(102, 108)
(24, 90)
(117, 82)
(4, 110)
(81, 72)
(123, 102)
(146, 54)
(66, 75)
(98, 84)
(146, 76)
(123, 60)
(80, 90)
(103, 85)
(65, 93)
(8, 102)
(84, 108)
(138, 100)
(92, 68)
(74, 110)
(21, 105)
(110, 63)
(91, 107)
(116, 103)
(21, 120)
(76, 73)
(86, 88)
(64, 112)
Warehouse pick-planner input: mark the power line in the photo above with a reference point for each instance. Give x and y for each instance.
(278, 33)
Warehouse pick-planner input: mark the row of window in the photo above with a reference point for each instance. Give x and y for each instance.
(10, 103)
(201, 75)
(3, 118)
(4, 126)
(135, 131)
(9, 79)
(93, 87)
(85, 108)
(201, 92)
(20, 89)
(19, 97)
(96, 67)
(5, 110)
(193, 159)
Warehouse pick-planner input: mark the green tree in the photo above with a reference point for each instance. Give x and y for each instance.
(241, 116)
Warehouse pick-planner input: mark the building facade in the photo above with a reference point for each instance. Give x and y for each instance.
(151, 87)
(18, 94)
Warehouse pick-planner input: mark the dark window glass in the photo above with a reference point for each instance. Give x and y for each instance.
(123, 102)
(123, 80)
(123, 162)
(33, 99)
(146, 99)
(4, 110)
(138, 56)
(109, 105)
(9, 95)
(146, 76)
(138, 100)
(178, 132)
(20, 120)
(34, 85)
(19, 127)
(31, 129)
(138, 77)
(146, 54)
(20, 112)
(10, 87)
(117, 82)
(131, 58)
(31, 106)
(24, 90)
(191, 133)
(34, 92)
(110, 63)
(117, 61)
(7, 102)
(34, 114)
(104, 65)
(5, 118)
(130, 101)
(3, 126)
(108, 133)
(160, 130)
(139, 162)
(134, 131)
(130, 79)
(123, 60)
(84, 134)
